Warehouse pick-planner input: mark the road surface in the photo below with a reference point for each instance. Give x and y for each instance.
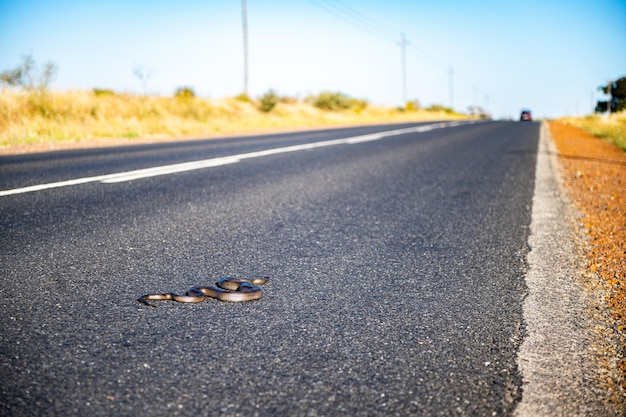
(397, 264)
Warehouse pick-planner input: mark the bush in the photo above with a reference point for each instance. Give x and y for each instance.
(103, 92)
(185, 92)
(359, 105)
(336, 101)
(268, 101)
(439, 107)
(412, 105)
(243, 97)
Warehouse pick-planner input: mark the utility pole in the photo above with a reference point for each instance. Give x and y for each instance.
(403, 43)
(244, 21)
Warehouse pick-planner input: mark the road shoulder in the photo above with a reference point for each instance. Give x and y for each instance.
(562, 356)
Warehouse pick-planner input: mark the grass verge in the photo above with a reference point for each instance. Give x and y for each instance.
(84, 117)
(611, 128)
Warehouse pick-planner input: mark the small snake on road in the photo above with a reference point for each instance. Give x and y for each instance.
(230, 289)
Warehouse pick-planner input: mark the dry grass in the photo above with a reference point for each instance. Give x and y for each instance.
(84, 117)
(611, 128)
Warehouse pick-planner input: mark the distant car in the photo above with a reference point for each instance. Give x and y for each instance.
(526, 116)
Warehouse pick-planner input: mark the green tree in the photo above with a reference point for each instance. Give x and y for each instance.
(617, 92)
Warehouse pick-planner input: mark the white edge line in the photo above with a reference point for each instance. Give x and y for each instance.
(214, 162)
(170, 169)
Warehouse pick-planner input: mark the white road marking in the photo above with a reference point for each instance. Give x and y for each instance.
(225, 160)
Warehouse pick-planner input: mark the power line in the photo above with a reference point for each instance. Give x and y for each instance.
(452, 72)
(350, 15)
(357, 19)
(338, 4)
(423, 54)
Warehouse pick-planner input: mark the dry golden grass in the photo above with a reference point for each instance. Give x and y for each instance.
(611, 128)
(84, 117)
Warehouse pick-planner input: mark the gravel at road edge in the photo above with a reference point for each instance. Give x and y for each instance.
(594, 174)
(561, 359)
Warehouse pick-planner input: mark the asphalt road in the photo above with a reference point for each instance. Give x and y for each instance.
(397, 276)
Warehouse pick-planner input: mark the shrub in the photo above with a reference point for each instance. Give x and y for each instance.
(359, 105)
(328, 100)
(184, 92)
(244, 97)
(413, 105)
(268, 101)
(103, 92)
(439, 107)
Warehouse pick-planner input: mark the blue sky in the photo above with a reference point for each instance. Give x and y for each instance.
(546, 55)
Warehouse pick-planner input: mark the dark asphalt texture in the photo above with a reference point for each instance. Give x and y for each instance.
(397, 278)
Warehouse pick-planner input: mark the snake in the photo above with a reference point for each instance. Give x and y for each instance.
(229, 289)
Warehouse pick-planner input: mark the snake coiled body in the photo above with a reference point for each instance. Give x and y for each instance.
(229, 289)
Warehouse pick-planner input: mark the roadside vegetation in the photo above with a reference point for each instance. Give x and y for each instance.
(594, 172)
(609, 120)
(609, 127)
(31, 114)
(40, 117)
